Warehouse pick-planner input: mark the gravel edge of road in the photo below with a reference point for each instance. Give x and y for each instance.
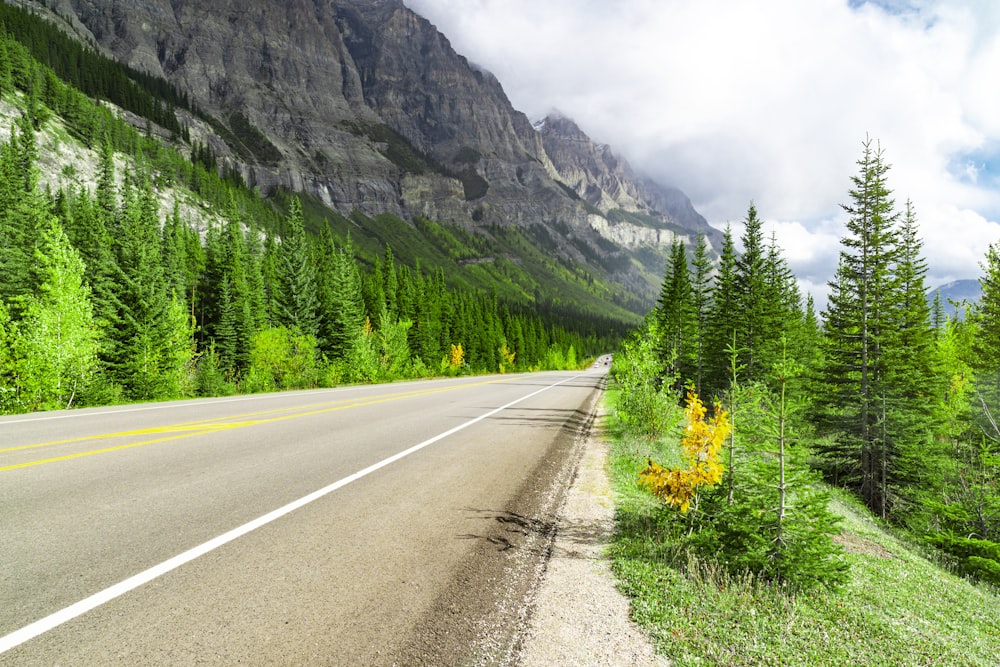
(579, 617)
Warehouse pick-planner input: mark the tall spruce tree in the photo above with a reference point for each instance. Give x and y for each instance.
(23, 212)
(677, 318)
(152, 339)
(345, 308)
(701, 302)
(988, 318)
(859, 325)
(912, 382)
(296, 302)
(759, 322)
(722, 319)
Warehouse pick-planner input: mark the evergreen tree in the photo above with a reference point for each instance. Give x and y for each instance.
(23, 213)
(988, 318)
(908, 425)
(757, 315)
(296, 302)
(149, 356)
(677, 318)
(859, 321)
(342, 300)
(722, 319)
(701, 301)
(938, 317)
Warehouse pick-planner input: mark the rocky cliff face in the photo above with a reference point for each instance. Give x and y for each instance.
(364, 104)
(608, 183)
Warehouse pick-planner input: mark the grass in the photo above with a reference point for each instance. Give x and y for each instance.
(899, 608)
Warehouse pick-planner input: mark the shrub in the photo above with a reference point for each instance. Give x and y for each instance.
(281, 358)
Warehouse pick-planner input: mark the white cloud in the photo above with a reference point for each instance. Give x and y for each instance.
(734, 101)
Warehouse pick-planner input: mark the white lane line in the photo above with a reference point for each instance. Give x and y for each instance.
(51, 621)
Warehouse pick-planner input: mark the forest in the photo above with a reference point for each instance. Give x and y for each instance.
(105, 298)
(880, 394)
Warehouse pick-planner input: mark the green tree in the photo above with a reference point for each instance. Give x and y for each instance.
(909, 426)
(859, 324)
(151, 350)
(296, 303)
(58, 342)
(722, 319)
(342, 308)
(23, 213)
(701, 302)
(9, 399)
(758, 315)
(281, 359)
(677, 317)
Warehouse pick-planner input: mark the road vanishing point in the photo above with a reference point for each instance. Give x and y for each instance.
(400, 524)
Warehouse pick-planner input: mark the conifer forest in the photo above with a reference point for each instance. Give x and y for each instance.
(879, 393)
(106, 297)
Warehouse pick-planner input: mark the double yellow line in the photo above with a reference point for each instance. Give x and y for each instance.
(207, 426)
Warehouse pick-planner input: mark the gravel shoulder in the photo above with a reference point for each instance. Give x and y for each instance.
(580, 619)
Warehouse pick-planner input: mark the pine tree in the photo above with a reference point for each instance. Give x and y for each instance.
(23, 212)
(701, 301)
(789, 323)
(677, 318)
(150, 353)
(296, 302)
(988, 317)
(858, 326)
(758, 323)
(342, 300)
(722, 319)
(911, 379)
(938, 316)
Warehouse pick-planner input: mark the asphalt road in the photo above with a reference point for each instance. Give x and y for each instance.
(395, 524)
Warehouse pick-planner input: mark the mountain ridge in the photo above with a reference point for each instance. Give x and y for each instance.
(365, 106)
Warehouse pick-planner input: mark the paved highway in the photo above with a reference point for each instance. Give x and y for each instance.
(392, 524)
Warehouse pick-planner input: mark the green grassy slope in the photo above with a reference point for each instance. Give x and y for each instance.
(899, 608)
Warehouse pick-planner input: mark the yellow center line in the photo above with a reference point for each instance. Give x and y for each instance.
(204, 427)
(204, 423)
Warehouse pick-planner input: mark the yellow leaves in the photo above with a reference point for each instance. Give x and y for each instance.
(506, 357)
(700, 444)
(457, 356)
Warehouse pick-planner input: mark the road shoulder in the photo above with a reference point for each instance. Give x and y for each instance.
(579, 616)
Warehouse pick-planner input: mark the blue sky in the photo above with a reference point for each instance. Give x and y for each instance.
(769, 101)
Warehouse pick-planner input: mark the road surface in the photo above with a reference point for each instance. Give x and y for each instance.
(394, 524)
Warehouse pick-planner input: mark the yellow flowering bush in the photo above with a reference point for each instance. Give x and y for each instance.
(700, 443)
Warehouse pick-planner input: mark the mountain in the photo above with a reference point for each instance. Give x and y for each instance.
(364, 106)
(956, 292)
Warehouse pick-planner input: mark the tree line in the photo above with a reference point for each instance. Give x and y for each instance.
(880, 394)
(104, 298)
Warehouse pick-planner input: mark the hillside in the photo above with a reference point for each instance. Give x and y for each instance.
(365, 109)
(133, 267)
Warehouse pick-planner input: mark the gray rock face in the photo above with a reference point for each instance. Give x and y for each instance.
(364, 104)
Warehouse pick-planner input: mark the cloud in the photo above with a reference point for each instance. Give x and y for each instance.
(734, 101)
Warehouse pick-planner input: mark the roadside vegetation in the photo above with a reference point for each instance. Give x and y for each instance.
(105, 297)
(812, 488)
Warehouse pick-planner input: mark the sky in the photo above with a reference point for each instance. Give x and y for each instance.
(770, 102)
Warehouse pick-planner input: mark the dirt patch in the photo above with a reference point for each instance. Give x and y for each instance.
(853, 544)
